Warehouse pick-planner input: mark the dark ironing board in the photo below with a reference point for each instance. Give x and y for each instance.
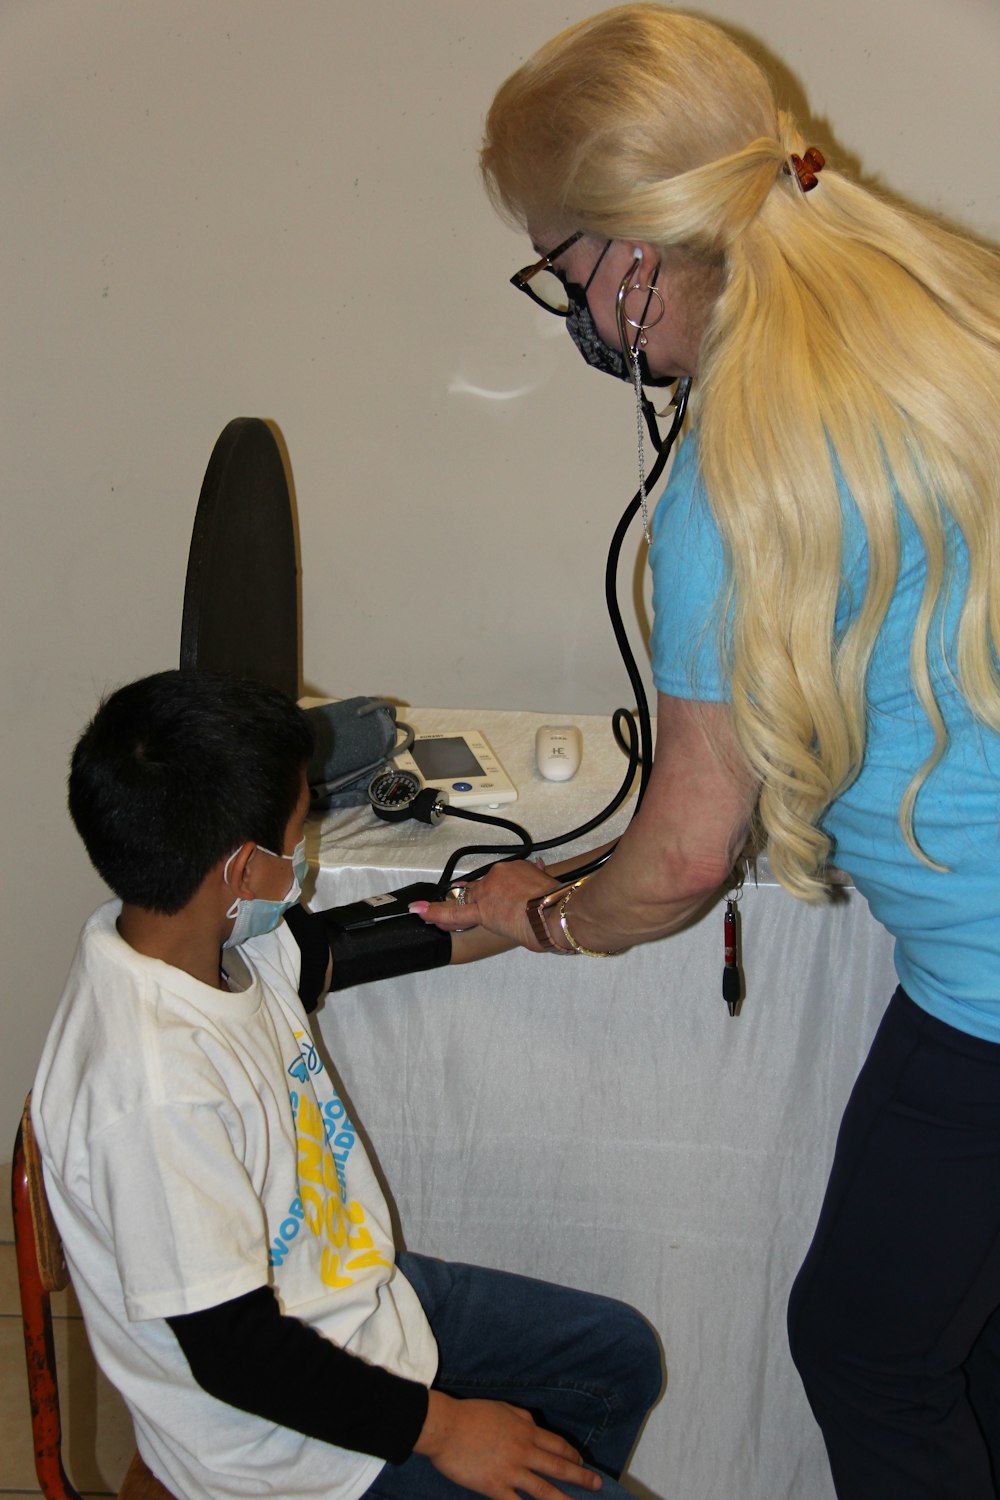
(241, 597)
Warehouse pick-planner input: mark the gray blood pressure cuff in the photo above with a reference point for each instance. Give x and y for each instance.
(354, 738)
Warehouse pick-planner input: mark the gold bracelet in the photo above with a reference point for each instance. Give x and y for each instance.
(578, 947)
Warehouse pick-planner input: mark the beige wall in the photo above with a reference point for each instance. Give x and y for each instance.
(215, 208)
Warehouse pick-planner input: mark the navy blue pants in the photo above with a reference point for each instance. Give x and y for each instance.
(586, 1366)
(893, 1318)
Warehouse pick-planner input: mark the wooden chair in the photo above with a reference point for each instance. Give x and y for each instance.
(241, 594)
(41, 1270)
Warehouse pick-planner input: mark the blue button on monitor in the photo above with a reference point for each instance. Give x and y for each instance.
(461, 786)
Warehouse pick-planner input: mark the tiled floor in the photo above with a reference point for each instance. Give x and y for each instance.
(97, 1433)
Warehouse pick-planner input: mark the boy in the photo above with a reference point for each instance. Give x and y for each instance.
(227, 1239)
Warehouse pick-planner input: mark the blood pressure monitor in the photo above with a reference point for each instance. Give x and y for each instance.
(462, 765)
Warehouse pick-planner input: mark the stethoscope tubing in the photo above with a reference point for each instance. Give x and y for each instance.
(638, 748)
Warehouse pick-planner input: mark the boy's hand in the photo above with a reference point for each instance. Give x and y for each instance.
(498, 1450)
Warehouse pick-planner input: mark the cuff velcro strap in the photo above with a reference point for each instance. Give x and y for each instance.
(404, 945)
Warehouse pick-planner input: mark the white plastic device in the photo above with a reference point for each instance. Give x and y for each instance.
(461, 764)
(558, 751)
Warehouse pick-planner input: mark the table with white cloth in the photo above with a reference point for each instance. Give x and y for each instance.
(607, 1124)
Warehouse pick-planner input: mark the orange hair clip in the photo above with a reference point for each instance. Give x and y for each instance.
(806, 168)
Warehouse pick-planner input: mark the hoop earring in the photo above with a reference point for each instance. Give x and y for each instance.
(630, 352)
(639, 324)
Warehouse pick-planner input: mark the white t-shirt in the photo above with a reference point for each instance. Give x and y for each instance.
(195, 1149)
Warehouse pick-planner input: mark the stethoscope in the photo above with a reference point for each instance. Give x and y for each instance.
(395, 795)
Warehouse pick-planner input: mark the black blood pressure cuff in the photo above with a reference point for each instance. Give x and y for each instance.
(384, 950)
(405, 945)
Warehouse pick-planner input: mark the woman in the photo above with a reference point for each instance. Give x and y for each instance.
(826, 566)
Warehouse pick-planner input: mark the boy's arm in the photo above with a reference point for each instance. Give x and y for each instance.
(336, 958)
(241, 1352)
(475, 943)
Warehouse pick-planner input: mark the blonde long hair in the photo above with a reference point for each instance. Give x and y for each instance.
(841, 323)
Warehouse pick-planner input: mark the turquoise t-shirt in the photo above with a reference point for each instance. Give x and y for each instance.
(946, 924)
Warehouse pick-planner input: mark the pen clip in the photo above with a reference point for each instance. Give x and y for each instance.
(733, 987)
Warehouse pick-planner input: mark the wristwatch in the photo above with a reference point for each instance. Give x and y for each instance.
(536, 909)
(539, 905)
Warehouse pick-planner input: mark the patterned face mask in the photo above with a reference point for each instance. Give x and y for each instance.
(581, 329)
(599, 355)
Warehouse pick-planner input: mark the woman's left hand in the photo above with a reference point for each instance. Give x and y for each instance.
(496, 903)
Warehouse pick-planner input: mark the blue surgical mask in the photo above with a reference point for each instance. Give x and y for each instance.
(254, 915)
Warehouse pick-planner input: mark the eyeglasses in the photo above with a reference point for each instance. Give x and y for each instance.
(544, 284)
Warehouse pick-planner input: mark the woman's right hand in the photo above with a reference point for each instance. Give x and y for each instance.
(495, 903)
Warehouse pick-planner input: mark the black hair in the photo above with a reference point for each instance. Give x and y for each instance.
(175, 771)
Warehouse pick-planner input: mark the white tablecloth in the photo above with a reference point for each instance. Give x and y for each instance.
(607, 1124)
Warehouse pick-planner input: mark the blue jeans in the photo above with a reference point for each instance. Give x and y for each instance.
(585, 1366)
